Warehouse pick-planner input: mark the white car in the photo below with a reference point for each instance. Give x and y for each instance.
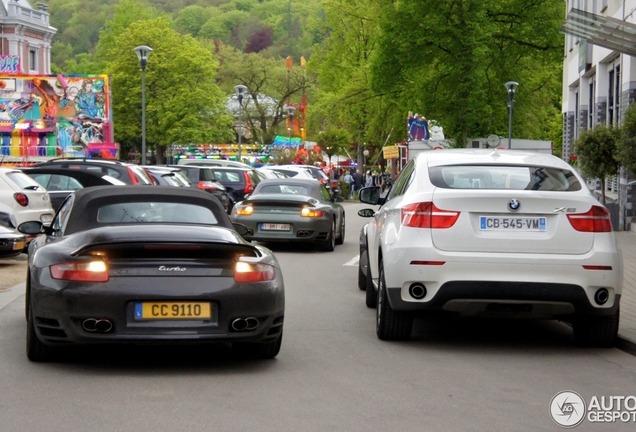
(491, 233)
(24, 198)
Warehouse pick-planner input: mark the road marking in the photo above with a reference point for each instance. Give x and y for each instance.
(353, 261)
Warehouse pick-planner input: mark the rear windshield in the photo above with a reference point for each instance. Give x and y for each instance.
(155, 212)
(504, 177)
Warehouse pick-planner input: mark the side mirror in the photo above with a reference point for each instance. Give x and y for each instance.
(366, 213)
(371, 195)
(31, 227)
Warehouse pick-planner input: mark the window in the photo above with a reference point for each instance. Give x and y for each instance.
(158, 212)
(590, 112)
(33, 59)
(613, 94)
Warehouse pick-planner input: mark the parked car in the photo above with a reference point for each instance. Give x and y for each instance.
(292, 210)
(128, 173)
(267, 172)
(492, 233)
(202, 177)
(315, 172)
(168, 176)
(23, 198)
(12, 243)
(239, 182)
(61, 182)
(135, 264)
(212, 162)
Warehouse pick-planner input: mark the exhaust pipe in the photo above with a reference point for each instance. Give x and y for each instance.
(245, 324)
(93, 325)
(601, 296)
(417, 291)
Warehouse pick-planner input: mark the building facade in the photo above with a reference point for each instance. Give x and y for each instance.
(25, 38)
(599, 81)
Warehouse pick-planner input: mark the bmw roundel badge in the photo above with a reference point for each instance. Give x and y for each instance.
(513, 204)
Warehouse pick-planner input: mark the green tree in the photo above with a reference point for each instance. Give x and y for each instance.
(184, 104)
(627, 143)
(597, 150)
(333, 141)
(449, 60)
(269, 85)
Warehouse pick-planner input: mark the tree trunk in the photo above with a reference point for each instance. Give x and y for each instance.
(603, 189)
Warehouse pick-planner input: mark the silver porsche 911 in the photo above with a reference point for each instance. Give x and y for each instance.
(138, 264)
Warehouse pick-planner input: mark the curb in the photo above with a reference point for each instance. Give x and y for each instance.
(625, 345)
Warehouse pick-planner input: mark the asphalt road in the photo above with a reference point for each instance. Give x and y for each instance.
(332, 374)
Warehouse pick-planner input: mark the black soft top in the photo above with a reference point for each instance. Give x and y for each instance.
(88, 201)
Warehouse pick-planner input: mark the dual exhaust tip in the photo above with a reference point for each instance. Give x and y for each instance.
(244, 324)
(97, 325)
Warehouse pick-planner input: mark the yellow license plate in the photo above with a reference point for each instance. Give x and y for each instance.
(173, 310)
(19, 245)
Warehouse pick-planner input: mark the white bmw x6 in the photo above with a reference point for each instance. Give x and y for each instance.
(491, 233)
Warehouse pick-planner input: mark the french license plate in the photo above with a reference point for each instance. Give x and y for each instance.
(488, 223)
(275, 227)
(173, 310)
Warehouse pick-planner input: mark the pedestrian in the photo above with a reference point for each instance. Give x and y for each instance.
(358, 181)
(368, 180)
(349, 180)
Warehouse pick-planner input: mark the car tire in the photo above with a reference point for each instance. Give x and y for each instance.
(362, 279)
(259, 350)
(595, 331)
(330, 244)
(341, 238)
(371, 299)
(36, 350)
(390, 325)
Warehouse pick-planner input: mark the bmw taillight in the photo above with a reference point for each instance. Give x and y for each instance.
(85, 271)
(249, 185)
(426, 215)
(597, 219)
(252, 272)
(21, 199)
(310, 212)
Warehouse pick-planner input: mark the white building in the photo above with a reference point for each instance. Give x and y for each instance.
(25, 38)
(599, 79)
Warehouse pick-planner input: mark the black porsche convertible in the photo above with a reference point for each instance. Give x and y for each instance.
(133, 264)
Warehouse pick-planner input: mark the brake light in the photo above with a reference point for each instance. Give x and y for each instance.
(21, 199)
(597, 219)
(426, 215)
(243, 210)
(334, 185)
(309, 212)
(249, 272)
(205, 185)
(249, 185)
(86, 271)
(133, 178)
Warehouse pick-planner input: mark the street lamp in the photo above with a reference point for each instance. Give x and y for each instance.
(511, 86)
(143, 52)
(240, 90)
(290, 113)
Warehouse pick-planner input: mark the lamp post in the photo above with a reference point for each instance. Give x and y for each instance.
(290, 113)
(143, 52)
(240, 90)
(511, 86)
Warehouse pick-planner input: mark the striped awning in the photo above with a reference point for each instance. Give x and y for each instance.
(600, 30)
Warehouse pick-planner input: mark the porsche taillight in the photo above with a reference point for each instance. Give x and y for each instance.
(597, 219)
(310, 212)
(21, 199)
(84, 271)
(253, 272)
(426, 215)
(243, 210)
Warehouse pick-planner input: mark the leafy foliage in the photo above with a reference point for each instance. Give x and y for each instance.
(627, 143)
(597, 153)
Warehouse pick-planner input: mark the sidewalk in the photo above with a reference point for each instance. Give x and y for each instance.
(627, 327)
